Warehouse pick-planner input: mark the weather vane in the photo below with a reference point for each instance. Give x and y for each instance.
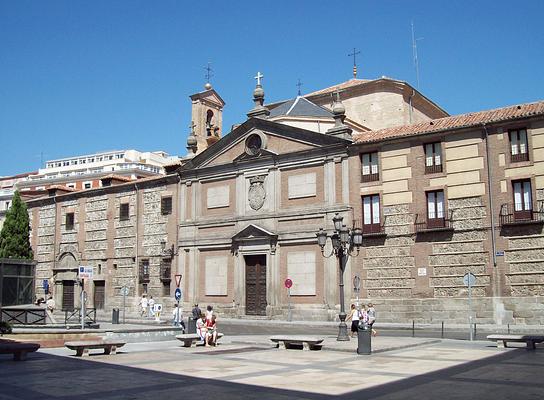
(354, 55)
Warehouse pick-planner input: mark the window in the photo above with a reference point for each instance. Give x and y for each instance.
(87, 185)
(166, 288)
(369, 162)
(433, 158)
(69, 221)
(371, 214)
(123, 211)
(71, 185)
(523, 205)
(518, 145)
(166, 205)
(435, 209)
(144, 272)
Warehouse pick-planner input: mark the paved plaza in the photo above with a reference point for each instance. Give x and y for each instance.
(249, 367)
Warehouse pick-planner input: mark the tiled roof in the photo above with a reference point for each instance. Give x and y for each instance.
(117, 177)
(340, 86)
(300, 107)
(454, 122)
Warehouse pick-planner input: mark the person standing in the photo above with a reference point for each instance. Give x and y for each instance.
(151, 306)
(143, 304)
(209, 313)
(196, 312)
(371, 318)
(177, 317)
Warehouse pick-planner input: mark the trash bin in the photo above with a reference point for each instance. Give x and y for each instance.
(191, 325)
(115, 316)
(364, 340)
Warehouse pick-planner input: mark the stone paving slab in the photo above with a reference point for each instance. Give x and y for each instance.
(165, 370)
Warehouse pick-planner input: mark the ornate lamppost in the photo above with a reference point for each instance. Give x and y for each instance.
(344, 241)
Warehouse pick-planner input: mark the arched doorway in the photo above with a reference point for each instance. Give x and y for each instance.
(66, 278)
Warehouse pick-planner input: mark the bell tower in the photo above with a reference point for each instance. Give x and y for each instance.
(207, 119)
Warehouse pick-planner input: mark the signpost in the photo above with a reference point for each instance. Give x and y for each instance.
(357, 287)
(157, 308)
(469, 279)
(124, 291)
(177, 294)
(288, 284)
(46, 286)
(84, 272)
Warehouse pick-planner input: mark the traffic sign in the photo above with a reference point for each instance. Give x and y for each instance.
(124, 291)
(177, 294)
(86, 272)
(469, 279)
(288, 283)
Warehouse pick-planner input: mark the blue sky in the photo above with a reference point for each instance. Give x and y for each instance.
(77, 77)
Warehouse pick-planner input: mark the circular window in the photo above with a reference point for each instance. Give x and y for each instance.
(254, 144)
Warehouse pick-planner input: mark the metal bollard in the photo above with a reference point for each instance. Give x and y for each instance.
(413, 328)
(442, 333)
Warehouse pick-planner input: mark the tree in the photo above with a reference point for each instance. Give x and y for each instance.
(15, 238)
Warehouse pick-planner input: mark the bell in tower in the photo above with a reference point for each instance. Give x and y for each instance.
(207, 117)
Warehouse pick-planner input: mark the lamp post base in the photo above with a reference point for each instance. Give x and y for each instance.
(342, 329)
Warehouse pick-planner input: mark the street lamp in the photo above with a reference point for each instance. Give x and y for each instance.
(344, 241)
(168, 251)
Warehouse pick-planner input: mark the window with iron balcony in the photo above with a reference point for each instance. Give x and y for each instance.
(166, 205)
(166, 268)
(371, 216)
(144, 271)
(519, 149)
(369, 167)
(436, 218)
(433, 158)
(522, 210)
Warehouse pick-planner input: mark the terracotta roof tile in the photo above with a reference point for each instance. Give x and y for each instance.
(454, 122)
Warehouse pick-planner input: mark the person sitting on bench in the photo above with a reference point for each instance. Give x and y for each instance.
(202, 329)
(211, 334)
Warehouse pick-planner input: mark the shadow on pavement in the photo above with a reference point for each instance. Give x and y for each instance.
(515, 374)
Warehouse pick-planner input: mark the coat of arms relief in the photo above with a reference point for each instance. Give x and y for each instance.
(257, 192)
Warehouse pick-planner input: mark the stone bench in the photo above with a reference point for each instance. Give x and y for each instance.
(18, 349)
(307, 342)
(529, 340)
(82, 347)
(189, 338)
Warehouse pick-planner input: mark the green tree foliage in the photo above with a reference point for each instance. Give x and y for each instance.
(14, 238)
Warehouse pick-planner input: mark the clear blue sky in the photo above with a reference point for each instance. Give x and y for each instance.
(78, 77)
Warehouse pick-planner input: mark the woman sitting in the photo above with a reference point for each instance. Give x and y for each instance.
(202, 329)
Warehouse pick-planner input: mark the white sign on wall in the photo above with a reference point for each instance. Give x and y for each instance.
(422, 271)
(85, 272)
(301, 270)
(216, 276)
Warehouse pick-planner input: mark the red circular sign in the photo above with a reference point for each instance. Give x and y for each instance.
(288, 283)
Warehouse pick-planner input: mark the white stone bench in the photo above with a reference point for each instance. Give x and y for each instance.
(307, 342)
(82, 347)
(189, 338)
(18, 349)
(530, 340)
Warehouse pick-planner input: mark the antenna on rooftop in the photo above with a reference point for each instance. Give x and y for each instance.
(414, 50)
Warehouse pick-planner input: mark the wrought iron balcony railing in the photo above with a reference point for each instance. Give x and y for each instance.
(370, 177)
(519, 157)
(166, 271)
(519, 214)
(422, 224)
(433, 169)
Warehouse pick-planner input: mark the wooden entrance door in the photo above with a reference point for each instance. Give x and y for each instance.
(67, 295)
(256, 285)
(99, 294)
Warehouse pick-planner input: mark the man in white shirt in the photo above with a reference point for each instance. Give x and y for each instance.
(177, 317)
(143, 304)
(151, 303)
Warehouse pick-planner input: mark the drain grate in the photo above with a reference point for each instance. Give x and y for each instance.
(236, 351)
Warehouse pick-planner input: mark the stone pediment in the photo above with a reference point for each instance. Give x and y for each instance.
(276, 139)
(253, 232)
(210, 96)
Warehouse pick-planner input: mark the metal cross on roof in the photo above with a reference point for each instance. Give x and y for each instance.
(299, 85)
(209, 72)
(354, 55)
(259, 77)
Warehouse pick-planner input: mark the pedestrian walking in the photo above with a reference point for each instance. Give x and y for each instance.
(143, 305)
(151, 306)
(371, 318)
(177, 317)
(354, 316)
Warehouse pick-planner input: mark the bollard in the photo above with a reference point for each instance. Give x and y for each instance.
(509, 329)
(475, 330)
(442, 334)
(413, 328)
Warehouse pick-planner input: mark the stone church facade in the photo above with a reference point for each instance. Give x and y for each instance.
(240, 214)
